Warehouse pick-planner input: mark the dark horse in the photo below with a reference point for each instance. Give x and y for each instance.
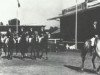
(96, 52)
(44, 45)
(33, 46)
(17, 45)
(10, 46)
(23, 45)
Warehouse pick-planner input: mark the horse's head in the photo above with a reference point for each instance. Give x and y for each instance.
(87, 44)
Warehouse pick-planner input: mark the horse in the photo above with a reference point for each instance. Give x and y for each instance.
(10, 42)
(87, 48)
(35, 45)
(23, 45)
(32, 46)
(3, 39)
(18, 39)
(44, 45)
(96, 51)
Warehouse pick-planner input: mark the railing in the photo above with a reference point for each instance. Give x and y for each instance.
(54, 40)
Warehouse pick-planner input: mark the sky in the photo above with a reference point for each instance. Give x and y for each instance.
(34, 12)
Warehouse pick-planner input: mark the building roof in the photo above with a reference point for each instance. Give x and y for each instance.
(55, 32)
(79, 10)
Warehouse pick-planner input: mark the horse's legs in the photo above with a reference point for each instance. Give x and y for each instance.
(11, 53)
(83, 55)
(41, 51)
(5, 50)
(46, 50)
(31, 52)
(98, 69)
(17, 49)
(22, 53)
(83, 59)
(35, 53)
(93, 59)
(8, 53)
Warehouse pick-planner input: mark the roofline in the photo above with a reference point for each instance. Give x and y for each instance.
(73, 12)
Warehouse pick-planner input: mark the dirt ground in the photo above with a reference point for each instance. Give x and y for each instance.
(61, 63)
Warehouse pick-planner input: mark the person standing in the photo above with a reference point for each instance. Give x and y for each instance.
(30, 32)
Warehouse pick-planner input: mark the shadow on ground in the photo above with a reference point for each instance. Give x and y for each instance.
(4, 57)
(18, 57)
(79, 69)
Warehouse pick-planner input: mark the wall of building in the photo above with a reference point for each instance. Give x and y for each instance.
(85, 21)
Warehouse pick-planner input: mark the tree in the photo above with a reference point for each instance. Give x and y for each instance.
(52, 29)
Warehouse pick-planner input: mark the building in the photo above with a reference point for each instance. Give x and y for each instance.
(87, 13)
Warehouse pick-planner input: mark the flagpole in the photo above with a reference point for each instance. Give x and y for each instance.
(17, 23)
(17, 17)
(76, 27)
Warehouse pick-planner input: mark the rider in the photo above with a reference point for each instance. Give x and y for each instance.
(21, 31)
(9, 33)
(30, 32)
(42, 31)
(95, 35)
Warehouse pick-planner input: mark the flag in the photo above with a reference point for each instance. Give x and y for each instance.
(18, 3)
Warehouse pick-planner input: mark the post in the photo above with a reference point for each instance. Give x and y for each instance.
(17, 23)
(17, 17)
(76, 27)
